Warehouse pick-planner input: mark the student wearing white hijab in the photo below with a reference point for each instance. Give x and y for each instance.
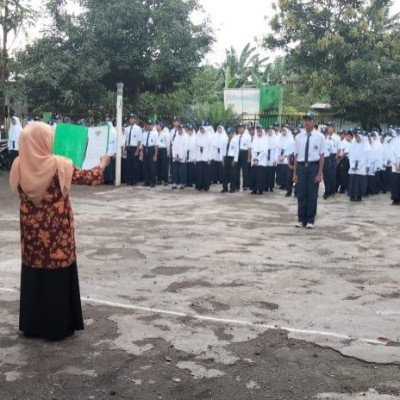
(203, 159)
(179, 154)
(386, 172)
(374, 160)
(395, 178)
(13, 138)
(219, 143)
(191, 155)
(272, 159)
(358, 157)
(285, 141)
(259, 150)
(342, 182)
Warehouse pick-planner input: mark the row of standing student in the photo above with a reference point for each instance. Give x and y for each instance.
(207, 156)
(252, 159)
(361, 163)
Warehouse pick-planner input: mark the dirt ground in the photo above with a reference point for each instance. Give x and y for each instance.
(208, 296)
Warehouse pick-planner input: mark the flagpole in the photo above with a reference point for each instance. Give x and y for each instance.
(120, 90)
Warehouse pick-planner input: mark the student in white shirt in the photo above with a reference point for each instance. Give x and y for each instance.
(374, 161)
(243, 165)
(176, 124)
(163, 147)
(13, 137)
(203, 159)
(358, 157)
(230, 157)
(333, 143)
(150, 154)
(179, 155)
(326, 172)
(395, 178)
(219, 142)
(308, 167)
(133, 139)
(342, 176)
(191, 155)
(259, 149)
(272, 159)
(385, 175)
(284, 141)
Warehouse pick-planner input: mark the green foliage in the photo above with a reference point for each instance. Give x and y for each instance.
(206, 86)
(345, 50)
(242, 70)
(164, 104)
(213, 112)
(149, 45)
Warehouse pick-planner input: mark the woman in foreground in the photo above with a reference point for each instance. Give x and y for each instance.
(50, 305)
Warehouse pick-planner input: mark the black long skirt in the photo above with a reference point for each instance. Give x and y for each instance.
(50, 304)
(270, 178)
(395, 186)
(357, 185)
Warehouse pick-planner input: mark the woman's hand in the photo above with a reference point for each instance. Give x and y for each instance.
(104, 162)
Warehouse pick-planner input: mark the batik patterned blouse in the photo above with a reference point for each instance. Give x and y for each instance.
(47, 228)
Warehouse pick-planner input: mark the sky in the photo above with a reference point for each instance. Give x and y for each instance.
(235, 23)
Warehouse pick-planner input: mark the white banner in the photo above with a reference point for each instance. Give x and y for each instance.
(97, 146)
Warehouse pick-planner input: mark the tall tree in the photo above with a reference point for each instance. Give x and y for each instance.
(345, 50)
(150, 45)
(242, 69)
(13, 14)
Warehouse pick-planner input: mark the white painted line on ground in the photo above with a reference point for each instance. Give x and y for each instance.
(388, 312)
(9, 290)
(219, 320)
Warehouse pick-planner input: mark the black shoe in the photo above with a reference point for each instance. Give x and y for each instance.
(253, 192)
(342, 191)
(224, 191)
(245, 188)
(232, 191)
(325, 196)
(288, 194)
(260, 193)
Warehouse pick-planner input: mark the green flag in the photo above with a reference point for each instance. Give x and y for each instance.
(71, 141)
